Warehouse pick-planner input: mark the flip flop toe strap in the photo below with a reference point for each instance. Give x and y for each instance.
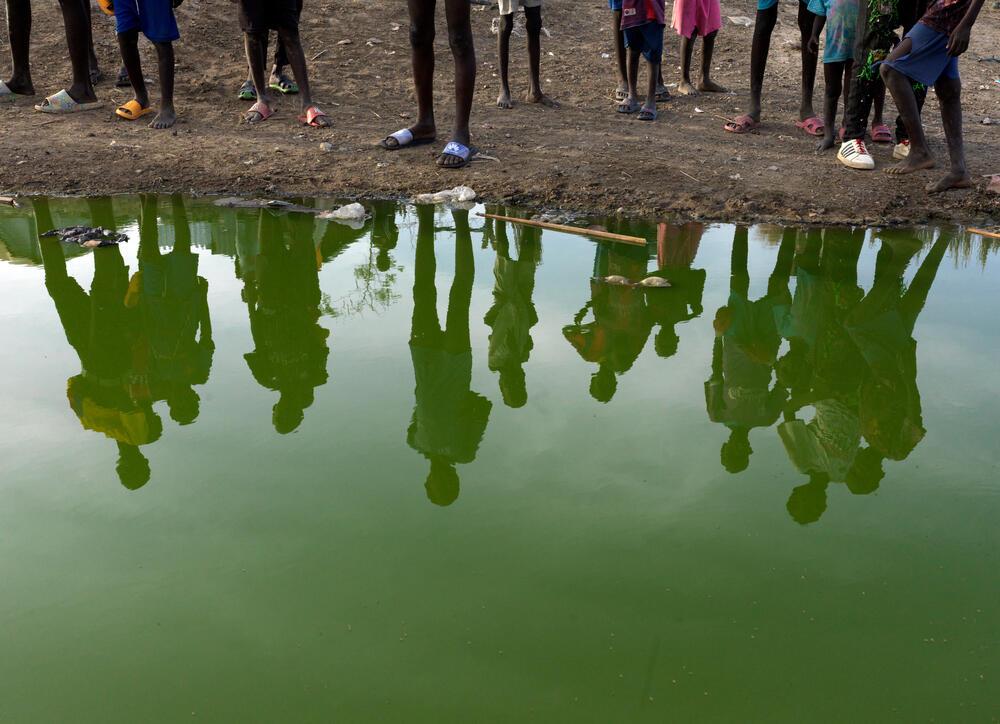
(458, 150)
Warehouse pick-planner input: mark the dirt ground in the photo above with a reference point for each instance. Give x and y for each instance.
(579, 157)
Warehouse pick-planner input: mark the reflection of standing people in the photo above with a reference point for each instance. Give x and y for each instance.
(102, 330)
(448, 419)
(823, 370)
(513, 312)
(882, 326)
(385, 233)
(676, 249)
(175, 316)
(739, 393)
(283, 298)
(621, 323)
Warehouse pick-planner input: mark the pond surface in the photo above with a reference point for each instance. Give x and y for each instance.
(256, 466)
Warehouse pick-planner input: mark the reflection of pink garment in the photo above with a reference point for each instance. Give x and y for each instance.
(705, 16)
(677, 246)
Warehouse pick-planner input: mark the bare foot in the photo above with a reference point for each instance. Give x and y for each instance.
(710, 86)
(951, 181)
(912, 163)
(826, 144)
(536, 96)
(504, 100)
(164, 119)
(686, 89)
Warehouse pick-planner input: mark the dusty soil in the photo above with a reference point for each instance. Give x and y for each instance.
(580, 156)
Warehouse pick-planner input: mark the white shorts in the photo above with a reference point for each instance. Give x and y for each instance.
(509, 7)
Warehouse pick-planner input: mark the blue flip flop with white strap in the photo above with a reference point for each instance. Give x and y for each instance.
(459, 151)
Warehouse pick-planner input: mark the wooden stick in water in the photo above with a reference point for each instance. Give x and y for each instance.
(983, 232)
(637, 241)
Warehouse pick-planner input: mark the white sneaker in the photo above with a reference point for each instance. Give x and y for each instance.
(901, 151)
(853, 154)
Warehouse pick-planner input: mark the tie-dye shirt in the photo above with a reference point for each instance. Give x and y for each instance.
(841, 27)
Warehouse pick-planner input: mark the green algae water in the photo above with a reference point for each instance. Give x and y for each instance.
(260, 467)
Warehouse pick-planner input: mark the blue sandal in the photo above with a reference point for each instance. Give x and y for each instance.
(457, 150)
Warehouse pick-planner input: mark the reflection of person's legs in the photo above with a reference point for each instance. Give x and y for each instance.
(916, 294)
(182, 230)
(149, 233)
(19, 28)
(782, 272)
(425, 326)
(78, 38)
(460, 298)
(739, 280)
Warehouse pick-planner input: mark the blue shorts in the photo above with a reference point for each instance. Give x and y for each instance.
(928, 59)
(155, 18)
(647, 39)
(615, 4)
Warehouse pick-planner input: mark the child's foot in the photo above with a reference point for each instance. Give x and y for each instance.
(915, 161)
(629, 105)
(686, 89)
(504, 100)
(710, 86)
(951, 181)
(283, 84)
(662, 93)
(16, 86)
(122, 80)
(826, 144)
(647, 114)
(535, 95)
(417, 135)
(621, 92)
(164, 119)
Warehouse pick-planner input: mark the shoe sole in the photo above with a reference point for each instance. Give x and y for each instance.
(857, 165)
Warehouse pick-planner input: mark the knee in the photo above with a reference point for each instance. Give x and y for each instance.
(460, 42)
(289, 37)
(422, 35)
(949, 92)
(507, 24)
(533, 20)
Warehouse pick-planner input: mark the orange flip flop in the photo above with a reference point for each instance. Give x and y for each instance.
(107, 6)
(132, 111)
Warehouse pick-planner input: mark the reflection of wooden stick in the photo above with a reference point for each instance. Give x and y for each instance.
(570, 229)
(982, 232)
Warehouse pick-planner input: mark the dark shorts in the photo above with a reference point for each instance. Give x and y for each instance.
(260, 16)
(154, 18)
(928, 59)
(615, 4)
(647, 39)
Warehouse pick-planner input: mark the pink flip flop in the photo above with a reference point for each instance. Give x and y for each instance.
(812, 126)
(743, 124)
(260, 108)
(881, 133)
(311, 116)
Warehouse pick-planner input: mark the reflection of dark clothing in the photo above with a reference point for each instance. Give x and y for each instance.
(449, 419)
(175, 305)
(513, 313)
(102, 331)
(291, 351)
(876, 34)
(882, 327)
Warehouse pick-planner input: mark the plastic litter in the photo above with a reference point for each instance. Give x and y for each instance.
(459, 194)
(351, 212)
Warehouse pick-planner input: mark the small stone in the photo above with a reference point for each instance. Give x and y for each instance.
(326, 147)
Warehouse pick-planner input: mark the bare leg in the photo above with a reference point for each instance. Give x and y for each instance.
(167, 115)
(833, 74)
(128, 44)
(422, 57)
(809, 62)
(534, 28)
(633, 77)
(906, 103)
(949, 93)
(19, 27)
(763, 28)
(686, 87)
(95, 67)
(464, 53)
(650, 104)
(292, 43)
(879, 105)
(707, 85)
(256, 58)
(504, 100)
(78, 38)
(620, 54)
